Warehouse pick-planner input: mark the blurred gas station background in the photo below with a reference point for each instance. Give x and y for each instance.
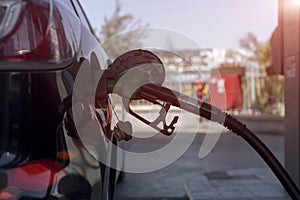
(249, 52)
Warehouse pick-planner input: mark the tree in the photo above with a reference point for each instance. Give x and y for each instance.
(264, 54)
(117, 33)
(250, 44)
(269, 90)
(258, 52)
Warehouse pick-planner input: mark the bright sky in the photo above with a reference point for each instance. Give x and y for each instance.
(211, 23)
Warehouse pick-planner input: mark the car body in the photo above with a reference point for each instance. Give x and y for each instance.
(43, 46)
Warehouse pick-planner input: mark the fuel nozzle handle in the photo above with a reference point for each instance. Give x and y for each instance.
(155, 93)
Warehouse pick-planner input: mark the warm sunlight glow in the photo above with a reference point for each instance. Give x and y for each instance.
(297, 2)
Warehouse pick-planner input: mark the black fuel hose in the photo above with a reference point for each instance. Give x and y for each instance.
(265, 153)
(153, 93)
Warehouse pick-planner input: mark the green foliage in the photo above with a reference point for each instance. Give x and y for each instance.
(264, 55)
(269, 89)
(258, 52)
(250, 44)
(270, 93)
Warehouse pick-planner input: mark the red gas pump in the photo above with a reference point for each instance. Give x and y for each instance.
(226, 84)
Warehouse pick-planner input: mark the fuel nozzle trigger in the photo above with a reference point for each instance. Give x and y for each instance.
(167, 129)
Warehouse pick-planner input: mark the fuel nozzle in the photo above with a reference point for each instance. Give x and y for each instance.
(127, 77)
(130, 71)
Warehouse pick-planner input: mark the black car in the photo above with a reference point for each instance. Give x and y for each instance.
(43, 46)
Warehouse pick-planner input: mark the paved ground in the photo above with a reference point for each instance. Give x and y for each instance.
(230, 155)
(242, 184)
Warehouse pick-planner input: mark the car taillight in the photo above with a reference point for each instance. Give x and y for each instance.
(44, 33)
